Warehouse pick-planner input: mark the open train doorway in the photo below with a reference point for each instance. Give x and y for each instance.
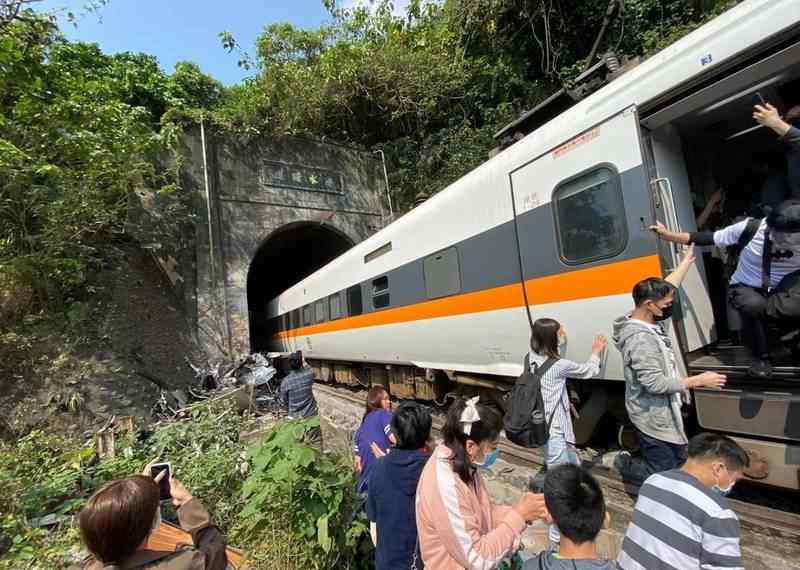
(289, 254)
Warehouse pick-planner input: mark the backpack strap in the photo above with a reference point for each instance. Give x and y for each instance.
(542, 368)
(766, 262)
(747, 234)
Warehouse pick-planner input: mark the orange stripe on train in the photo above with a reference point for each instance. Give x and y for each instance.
(610, 279)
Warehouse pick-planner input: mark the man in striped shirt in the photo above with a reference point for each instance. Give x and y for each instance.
(682, 520)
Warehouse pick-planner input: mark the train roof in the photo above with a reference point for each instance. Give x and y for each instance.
(707, 51)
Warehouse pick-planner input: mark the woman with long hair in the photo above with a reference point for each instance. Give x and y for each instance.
(118, 520)
(457, 524)
(373, 435)
(547, 338)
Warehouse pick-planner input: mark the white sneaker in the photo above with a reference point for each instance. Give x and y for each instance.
(612, 459)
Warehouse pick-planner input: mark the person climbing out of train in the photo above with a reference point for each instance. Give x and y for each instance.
(757, 274)
(653, 386)
(393, 484)
(682, 519)
(547, 336)
(457, 523)
(788, 130)
(372, 437)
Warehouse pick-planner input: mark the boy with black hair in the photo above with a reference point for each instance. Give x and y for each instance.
(391, 503)
(576, 506)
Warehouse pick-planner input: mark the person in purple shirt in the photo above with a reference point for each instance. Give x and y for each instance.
(373, 435)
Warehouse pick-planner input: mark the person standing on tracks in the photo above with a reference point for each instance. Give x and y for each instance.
(546, 337)
(297, 394)
(372, 436)
(393, 489)
(682, 519)
(457, 523)
(653, 386)
(296, 389)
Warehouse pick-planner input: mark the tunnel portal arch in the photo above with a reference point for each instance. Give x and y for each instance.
(288, 255)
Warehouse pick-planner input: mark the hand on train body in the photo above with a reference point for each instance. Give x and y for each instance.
(531, 506)
(712, 380)
(599, 344)
(659, 228)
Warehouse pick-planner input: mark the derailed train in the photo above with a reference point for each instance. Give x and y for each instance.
(556, 225)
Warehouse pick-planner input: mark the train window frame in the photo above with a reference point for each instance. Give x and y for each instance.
(353, 293)
(433, 288)
(334, 315)
(297, 318)
(619, 204)
(320, 311)
(381, 297)
(307, 315)
(376, 253)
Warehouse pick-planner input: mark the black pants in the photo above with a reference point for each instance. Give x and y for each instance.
(752, 304)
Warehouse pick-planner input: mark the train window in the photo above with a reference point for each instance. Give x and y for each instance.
(590, 216)
(380, 292)
(335, 302)
(354, 300)
(296, 319)
(307, 315)
(319, 310)
(442, 273)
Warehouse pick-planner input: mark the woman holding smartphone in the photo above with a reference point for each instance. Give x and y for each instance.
(118, 520)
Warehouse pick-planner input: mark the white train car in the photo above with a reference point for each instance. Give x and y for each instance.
(557, 225)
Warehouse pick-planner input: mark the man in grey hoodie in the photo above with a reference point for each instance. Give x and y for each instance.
(653, 386)
(576, 506)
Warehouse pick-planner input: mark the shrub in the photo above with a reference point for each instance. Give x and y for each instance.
(301, 510)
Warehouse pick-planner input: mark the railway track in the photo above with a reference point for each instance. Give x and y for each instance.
(764, 519)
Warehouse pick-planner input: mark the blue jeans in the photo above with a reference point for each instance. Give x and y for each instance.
(558, 451)
(657, 456)
(661, 455)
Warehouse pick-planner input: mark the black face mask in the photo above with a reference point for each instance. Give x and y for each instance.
(666, 313)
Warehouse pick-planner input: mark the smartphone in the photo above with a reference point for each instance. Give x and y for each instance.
(163, 485)
(759, 100)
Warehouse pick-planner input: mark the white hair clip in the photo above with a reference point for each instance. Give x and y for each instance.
(470, 414)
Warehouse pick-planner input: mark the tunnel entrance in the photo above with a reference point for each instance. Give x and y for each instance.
(287, 256)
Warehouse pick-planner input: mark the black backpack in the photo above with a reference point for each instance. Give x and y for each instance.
(524, 421)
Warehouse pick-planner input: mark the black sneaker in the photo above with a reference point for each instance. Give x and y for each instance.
(760, 369)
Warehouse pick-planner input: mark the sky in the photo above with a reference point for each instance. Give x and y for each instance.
(181, 30)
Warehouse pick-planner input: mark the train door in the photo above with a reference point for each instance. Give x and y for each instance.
(581, 215)
(672, 197)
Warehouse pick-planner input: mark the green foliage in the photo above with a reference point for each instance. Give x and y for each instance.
(301, 505)
(78, 132)
(432, 87)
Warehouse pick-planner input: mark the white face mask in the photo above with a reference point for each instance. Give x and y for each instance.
(723, 491)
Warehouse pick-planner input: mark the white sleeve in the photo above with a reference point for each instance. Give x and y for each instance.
(730, 235)
(588, 369)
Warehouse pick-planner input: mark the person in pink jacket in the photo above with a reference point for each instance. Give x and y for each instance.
(457, 523)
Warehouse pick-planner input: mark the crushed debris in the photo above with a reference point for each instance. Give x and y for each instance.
(250, 379)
